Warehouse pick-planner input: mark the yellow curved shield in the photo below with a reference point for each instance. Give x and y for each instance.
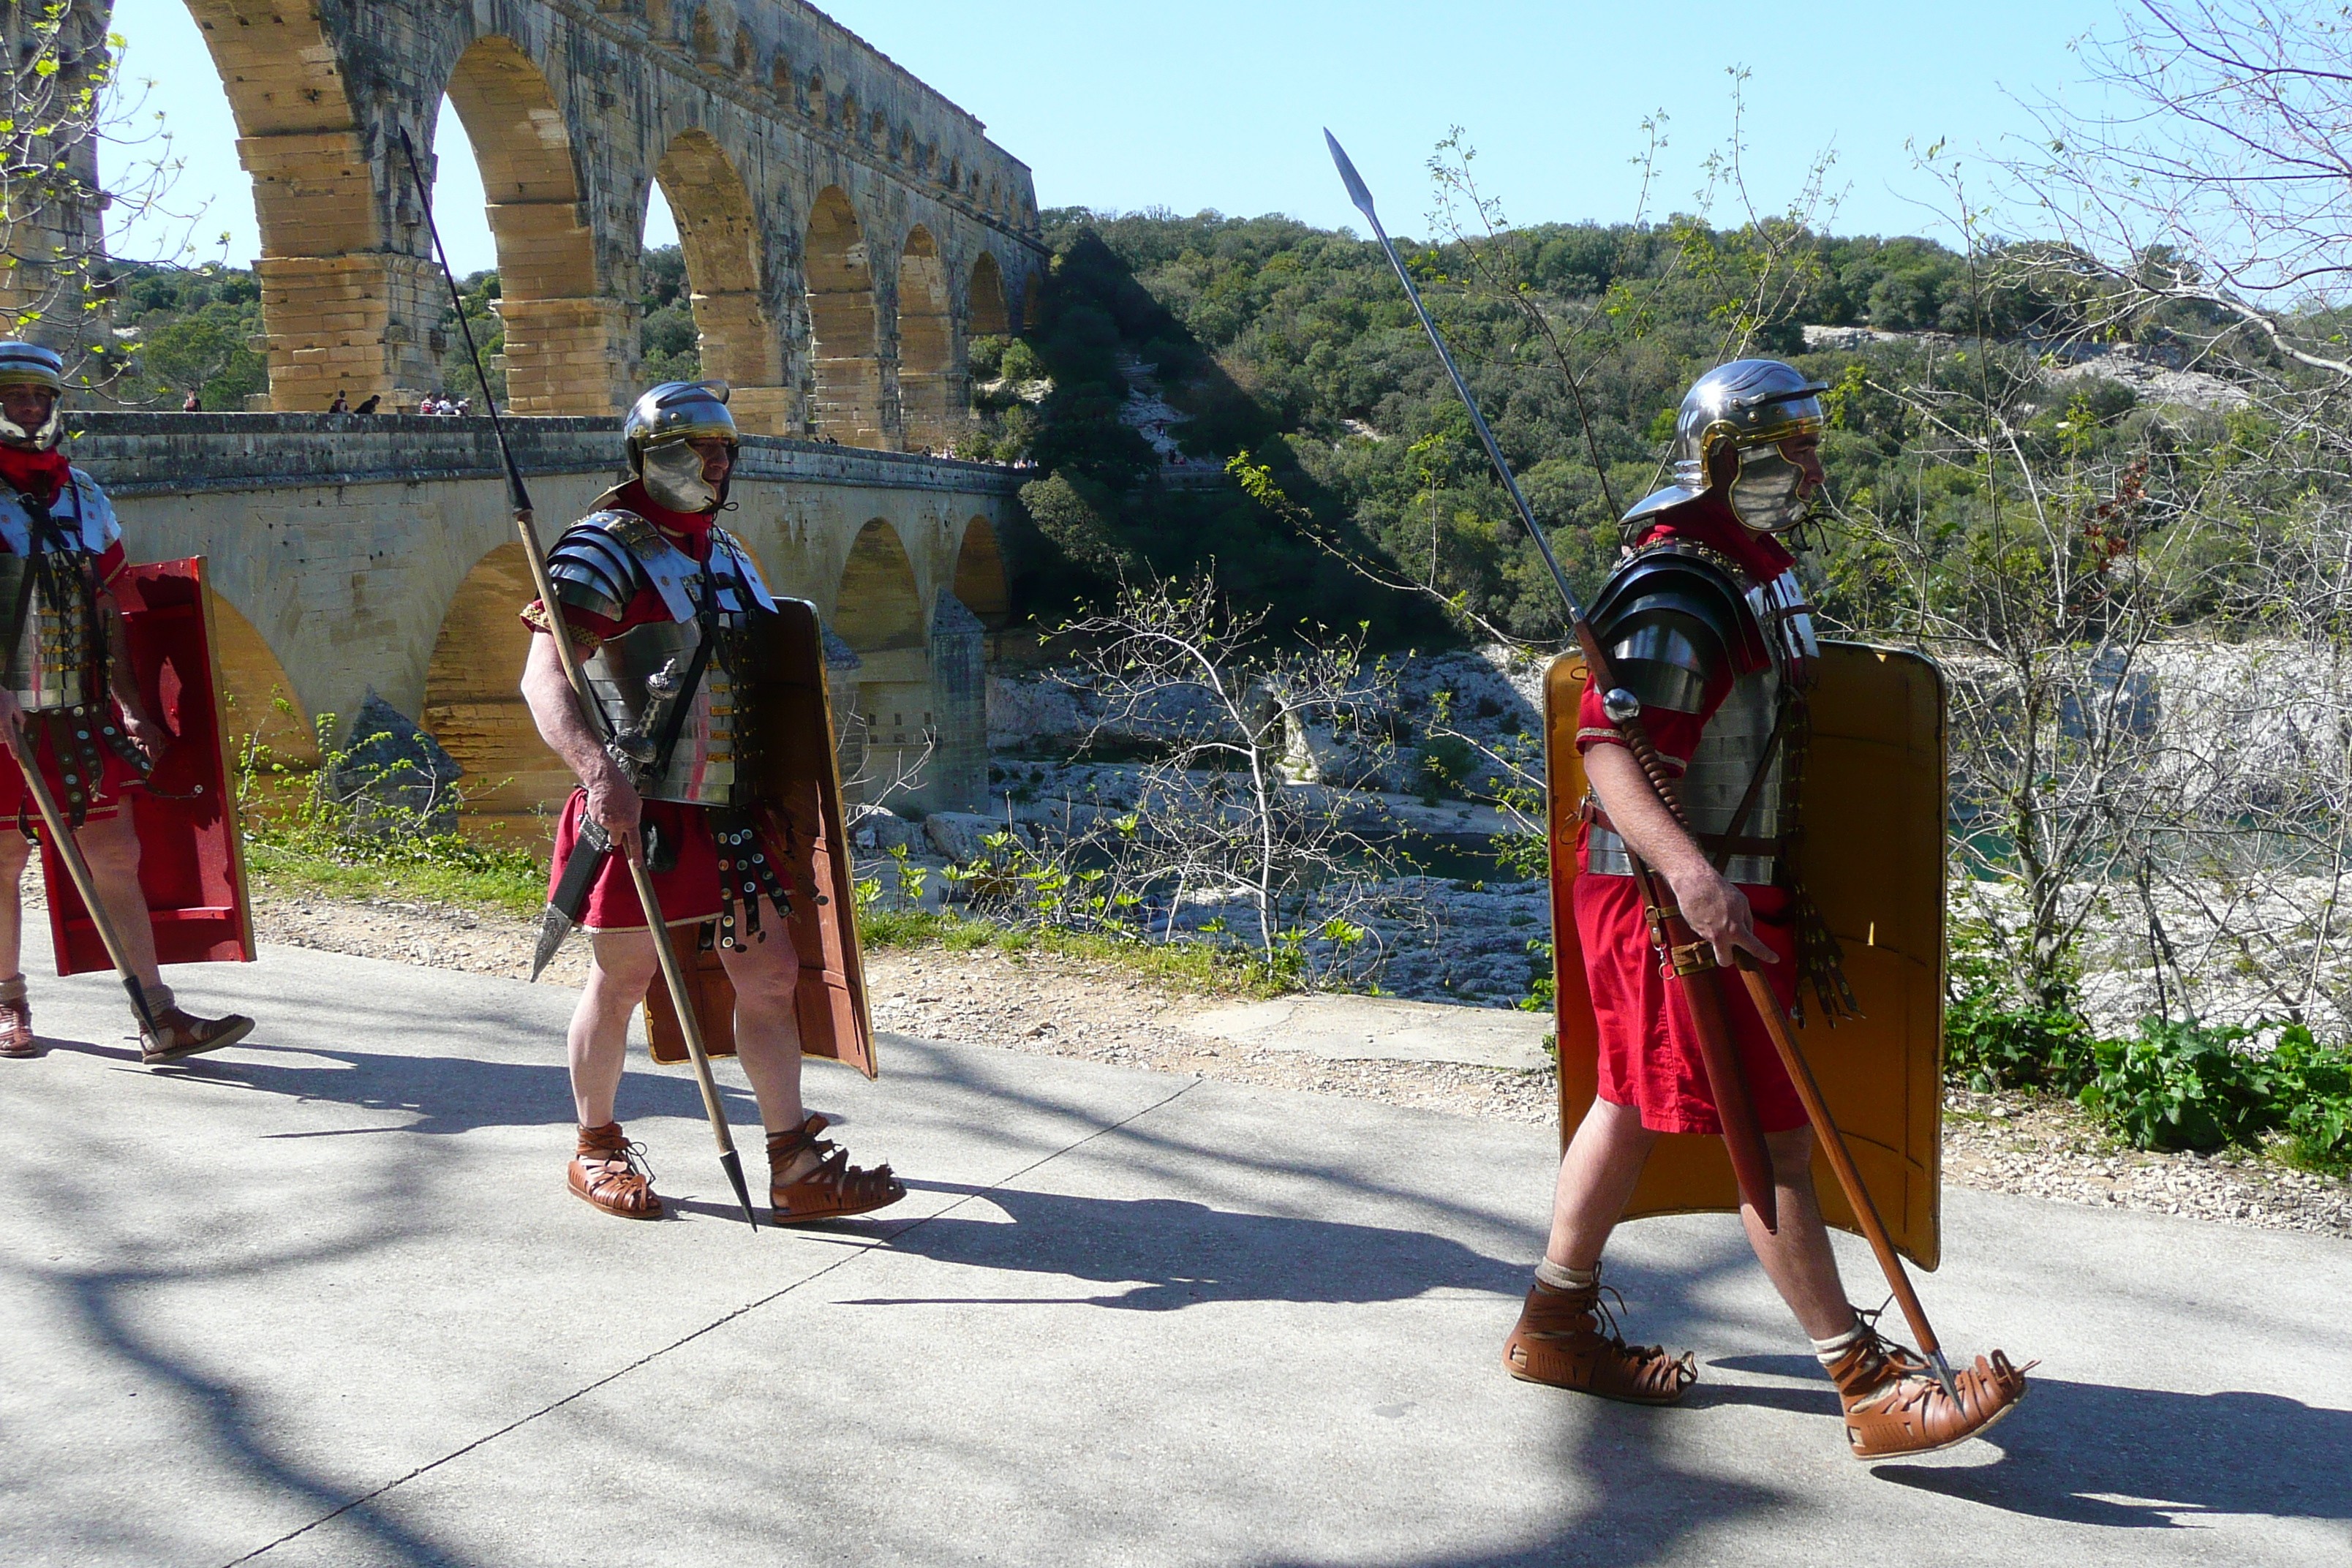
(1874, 860)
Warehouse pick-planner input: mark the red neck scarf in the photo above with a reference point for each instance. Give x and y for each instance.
(37, 474)
(689, 531)
(1708, 519)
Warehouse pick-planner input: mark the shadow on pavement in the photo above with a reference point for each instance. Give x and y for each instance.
(2129, 1458)
(1171, 1253)
(110, 1306)
(448, 1094)
(2144, 1458)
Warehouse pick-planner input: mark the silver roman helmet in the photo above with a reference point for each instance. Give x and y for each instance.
(30, 364)
(1753, 405)
(658, 427)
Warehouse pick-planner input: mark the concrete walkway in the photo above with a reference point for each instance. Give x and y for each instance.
(325, 1300)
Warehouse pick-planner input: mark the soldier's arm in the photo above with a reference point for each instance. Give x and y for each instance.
(613, 801)
(122, 681)
(1716, 909)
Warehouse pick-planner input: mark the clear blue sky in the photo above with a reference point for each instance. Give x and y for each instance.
(1221, 104)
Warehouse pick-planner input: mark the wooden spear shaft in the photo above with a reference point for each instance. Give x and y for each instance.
(1849, 1175)
(78, 869)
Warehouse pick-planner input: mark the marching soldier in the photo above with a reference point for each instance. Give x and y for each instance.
(1712, 643)
(71, 698)
(668, 606)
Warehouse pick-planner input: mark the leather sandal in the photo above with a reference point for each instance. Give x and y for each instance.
(180, 1033)
(16, 1020)
(832, 1189)
(1895, 1406)
(610, 1174)
(1569, 1339)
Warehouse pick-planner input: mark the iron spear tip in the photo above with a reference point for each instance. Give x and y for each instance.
(1357, 192)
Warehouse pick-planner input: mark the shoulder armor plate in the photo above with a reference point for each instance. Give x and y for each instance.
(1687, 586)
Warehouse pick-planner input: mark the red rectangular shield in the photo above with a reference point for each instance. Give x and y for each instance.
(191, 858)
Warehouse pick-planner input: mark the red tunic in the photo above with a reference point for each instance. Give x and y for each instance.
(42, 474)
(1649, 1051)
(688, 891)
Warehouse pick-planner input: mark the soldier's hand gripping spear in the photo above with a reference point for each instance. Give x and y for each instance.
(1692, 962)
(567, 657)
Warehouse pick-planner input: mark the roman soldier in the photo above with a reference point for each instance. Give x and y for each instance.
(1712, 643)
(72, 699)
(668, 608)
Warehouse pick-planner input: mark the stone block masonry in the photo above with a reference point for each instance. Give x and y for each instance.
(355, 555)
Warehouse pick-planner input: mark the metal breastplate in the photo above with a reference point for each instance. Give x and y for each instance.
(50, 654)
(1723, 764)
(635, 678)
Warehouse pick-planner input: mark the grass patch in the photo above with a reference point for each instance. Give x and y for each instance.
(462, 879)
(1185, 966)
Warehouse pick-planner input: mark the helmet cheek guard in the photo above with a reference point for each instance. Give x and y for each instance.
(657, 430)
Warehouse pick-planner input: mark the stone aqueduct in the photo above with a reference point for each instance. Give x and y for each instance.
(847, 232)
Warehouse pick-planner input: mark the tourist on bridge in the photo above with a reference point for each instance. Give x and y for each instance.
(674, 617)
(72, 697)
(1712, 650)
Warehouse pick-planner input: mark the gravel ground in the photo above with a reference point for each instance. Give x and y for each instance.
(2020, 1144)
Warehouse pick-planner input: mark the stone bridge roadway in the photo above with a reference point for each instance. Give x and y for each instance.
(355, 554)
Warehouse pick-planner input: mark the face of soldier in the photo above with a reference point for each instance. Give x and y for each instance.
(688, 476)
(27, 410)
(1773, 487)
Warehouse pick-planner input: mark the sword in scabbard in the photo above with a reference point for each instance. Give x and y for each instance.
(567, 657)
(1689, 961)
(1692, 962)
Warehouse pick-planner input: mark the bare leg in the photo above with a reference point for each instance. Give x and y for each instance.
(598, 1040)
(1798, 1259)
(1596, 1180)
(767, 1036)
(111, 845)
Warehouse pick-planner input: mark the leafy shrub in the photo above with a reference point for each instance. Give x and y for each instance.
(1445, 762)
(2314, 1089)
(1988, 1045)
(1997, 1036)
(2184, 1086)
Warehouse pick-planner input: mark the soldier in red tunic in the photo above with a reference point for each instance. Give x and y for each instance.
(656, 594)
(72, 699)
(1706, 626)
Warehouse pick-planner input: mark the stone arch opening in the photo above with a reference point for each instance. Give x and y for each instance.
(262, 707)
(932, 396)
(979, 580)
(984, 311)
(847, 394)
(879, 614)
(322, 249)
(1033, 305)
(567, 348)
(474, 709)
(719, 234)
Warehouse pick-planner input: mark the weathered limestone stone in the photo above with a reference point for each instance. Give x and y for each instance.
(353, 555)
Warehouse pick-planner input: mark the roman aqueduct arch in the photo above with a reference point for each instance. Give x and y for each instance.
(847, 229)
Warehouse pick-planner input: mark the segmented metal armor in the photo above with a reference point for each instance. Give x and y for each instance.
(601, 564)
(50, 625)
(1679, 620)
